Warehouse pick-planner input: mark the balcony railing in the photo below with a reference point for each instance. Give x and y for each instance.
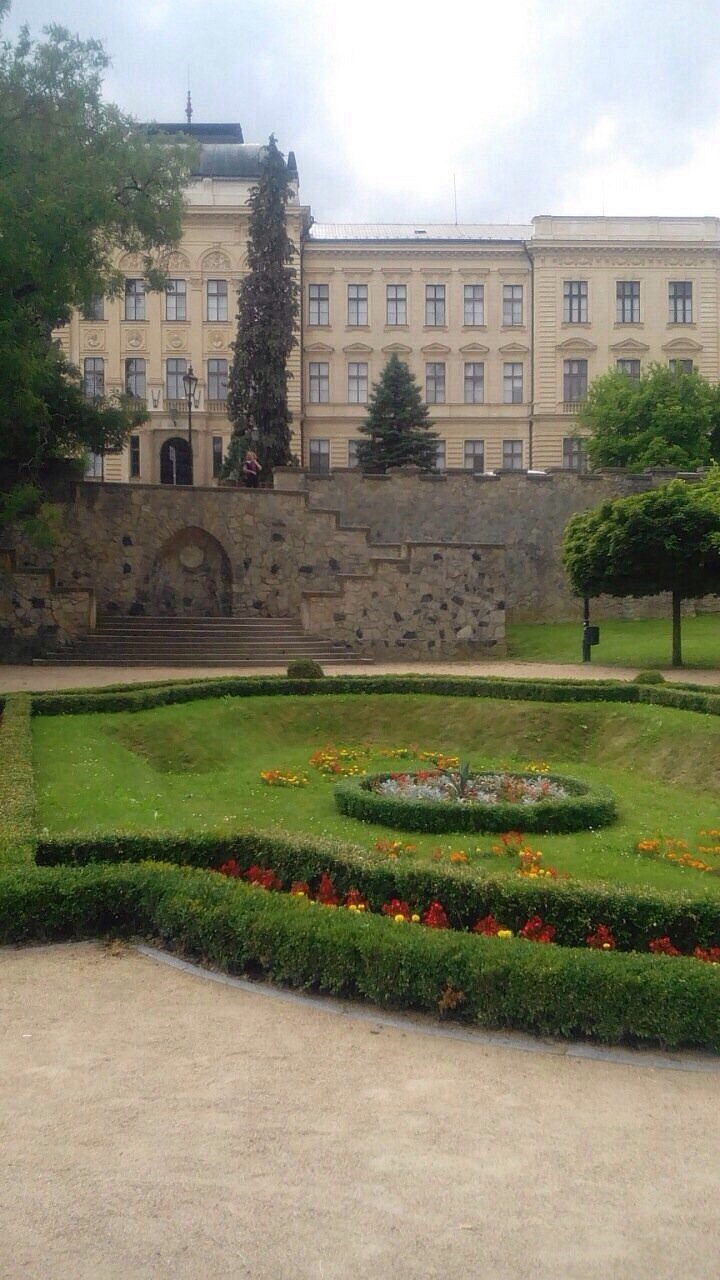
(572, 406)
(216, 406)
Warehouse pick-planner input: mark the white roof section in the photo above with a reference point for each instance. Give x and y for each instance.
(419, 232)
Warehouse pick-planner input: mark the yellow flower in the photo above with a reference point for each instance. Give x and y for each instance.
(399, 919)
(415, 919)
(504, 933)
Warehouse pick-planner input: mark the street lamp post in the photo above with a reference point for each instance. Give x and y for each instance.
(190, 383)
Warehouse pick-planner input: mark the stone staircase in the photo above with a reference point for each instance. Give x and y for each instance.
(197, 642)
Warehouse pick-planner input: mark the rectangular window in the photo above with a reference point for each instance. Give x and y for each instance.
(318, 304)
(174, 369)
(512, 455)
(434, 304)
(93, 378)
(134, 299)
(396, 304)
(680, 366)
(627, 301)
(134, 457)
(474, 455)
(352, 453)
(575, 380)
(94, 309)
(319, 457)
(474, 382)
(176, 300)
(217, 379)
(513, 382)
(631, 368)
(357, 383)
(217, 300)
(435, 383)
(135, 378)
(680, 302)
(512, 304)
(575, 301)
(474, 304)
(573, 454)
(217, 457)
(357, 306)
(440, 455)
(319, 382)
(93, 465)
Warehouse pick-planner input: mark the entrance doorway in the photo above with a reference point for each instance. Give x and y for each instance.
(176, 462)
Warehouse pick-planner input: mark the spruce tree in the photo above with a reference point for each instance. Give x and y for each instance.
(266, 325)
(398, 429)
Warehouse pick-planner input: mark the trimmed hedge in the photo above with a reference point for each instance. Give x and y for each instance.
(489, 983)
(633, 914)
(585, 809)
(139, 699)
(17, 796)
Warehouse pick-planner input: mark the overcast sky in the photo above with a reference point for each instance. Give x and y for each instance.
(539, 106)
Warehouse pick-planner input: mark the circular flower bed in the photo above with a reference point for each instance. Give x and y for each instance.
(460, 800)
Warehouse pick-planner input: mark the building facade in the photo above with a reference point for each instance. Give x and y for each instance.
(503, 326)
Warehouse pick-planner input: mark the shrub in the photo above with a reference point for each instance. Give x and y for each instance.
(17, 797)
(649, 677)
(304, 669)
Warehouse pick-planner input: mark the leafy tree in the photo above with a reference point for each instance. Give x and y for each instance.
(79, 183)
(667, 539)
(266, 325)
(663, 419)
(398, 426)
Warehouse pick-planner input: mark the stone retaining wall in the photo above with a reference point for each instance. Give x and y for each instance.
(35, 613)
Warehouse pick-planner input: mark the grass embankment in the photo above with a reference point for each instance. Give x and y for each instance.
(196, 767)
(623, 642)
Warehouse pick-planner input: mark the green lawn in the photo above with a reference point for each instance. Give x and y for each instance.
(644, 644)
(195, 767)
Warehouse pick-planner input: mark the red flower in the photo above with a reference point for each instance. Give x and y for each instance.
(434, 917)
(229, 868)
(600, 939)
(662, 947)
(535, 931)
(354, 898)
(262, 877)
(325, 892)
(395, 907)
(488, 926)
(711, 955)
(300, 889)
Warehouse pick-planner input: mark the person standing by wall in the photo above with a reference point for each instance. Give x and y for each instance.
(251, 470)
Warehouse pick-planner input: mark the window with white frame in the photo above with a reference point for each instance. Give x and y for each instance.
(174, 371)
(217, 379)
(353, 452)
(575, 380)
(176, 300)
(512, 304)
(93, 465)
(396, 304)
(440, 455)
(474, 382)
(217, 457)
(94, 309)
(135, 378)
(357, 382)
(434, 304)
(575, 301)
(474, 455)
(93, 378)
(319, 452)
(512, 455)
(474, 304)
(627, 301)
(134, 299)
(357, 304)
(319, 382)
(680, 302)
(631, 369)
(134, 460)
(318, 304)
(217, 300)
(512, 382)
(573, 454)
(680, 366)
(435, 382)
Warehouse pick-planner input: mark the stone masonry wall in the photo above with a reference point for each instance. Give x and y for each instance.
(35, 614)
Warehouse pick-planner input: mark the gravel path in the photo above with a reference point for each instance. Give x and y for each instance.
(156, 1125)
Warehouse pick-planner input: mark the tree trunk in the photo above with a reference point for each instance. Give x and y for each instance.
(676, 642)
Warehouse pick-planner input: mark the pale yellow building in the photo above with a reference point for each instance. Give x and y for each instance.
(503, 326)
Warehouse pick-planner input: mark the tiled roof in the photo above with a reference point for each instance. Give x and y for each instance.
(419, 231)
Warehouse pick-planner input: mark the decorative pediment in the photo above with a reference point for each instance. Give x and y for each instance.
(435, 349)
(320, 348)
(576, 344)
(358, 348)
(475, 349)
(215, 260)
(397, 349)
(682, 344)
(514, 349)
(629, 346)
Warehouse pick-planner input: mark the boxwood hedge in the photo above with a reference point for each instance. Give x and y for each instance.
(17, 796)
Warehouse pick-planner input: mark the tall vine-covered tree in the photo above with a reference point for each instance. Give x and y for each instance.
(397, 431)
(266, 324)
(667, 539)
(79, 183)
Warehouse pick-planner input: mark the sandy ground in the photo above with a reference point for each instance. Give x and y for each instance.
(154, 1124)
(16, 678)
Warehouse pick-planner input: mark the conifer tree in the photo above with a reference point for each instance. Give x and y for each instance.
(398, 429)
(266, 325)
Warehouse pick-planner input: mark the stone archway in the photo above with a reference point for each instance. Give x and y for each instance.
(191, 577)
(176, 464)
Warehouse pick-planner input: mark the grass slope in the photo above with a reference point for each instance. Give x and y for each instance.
(623, 642)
